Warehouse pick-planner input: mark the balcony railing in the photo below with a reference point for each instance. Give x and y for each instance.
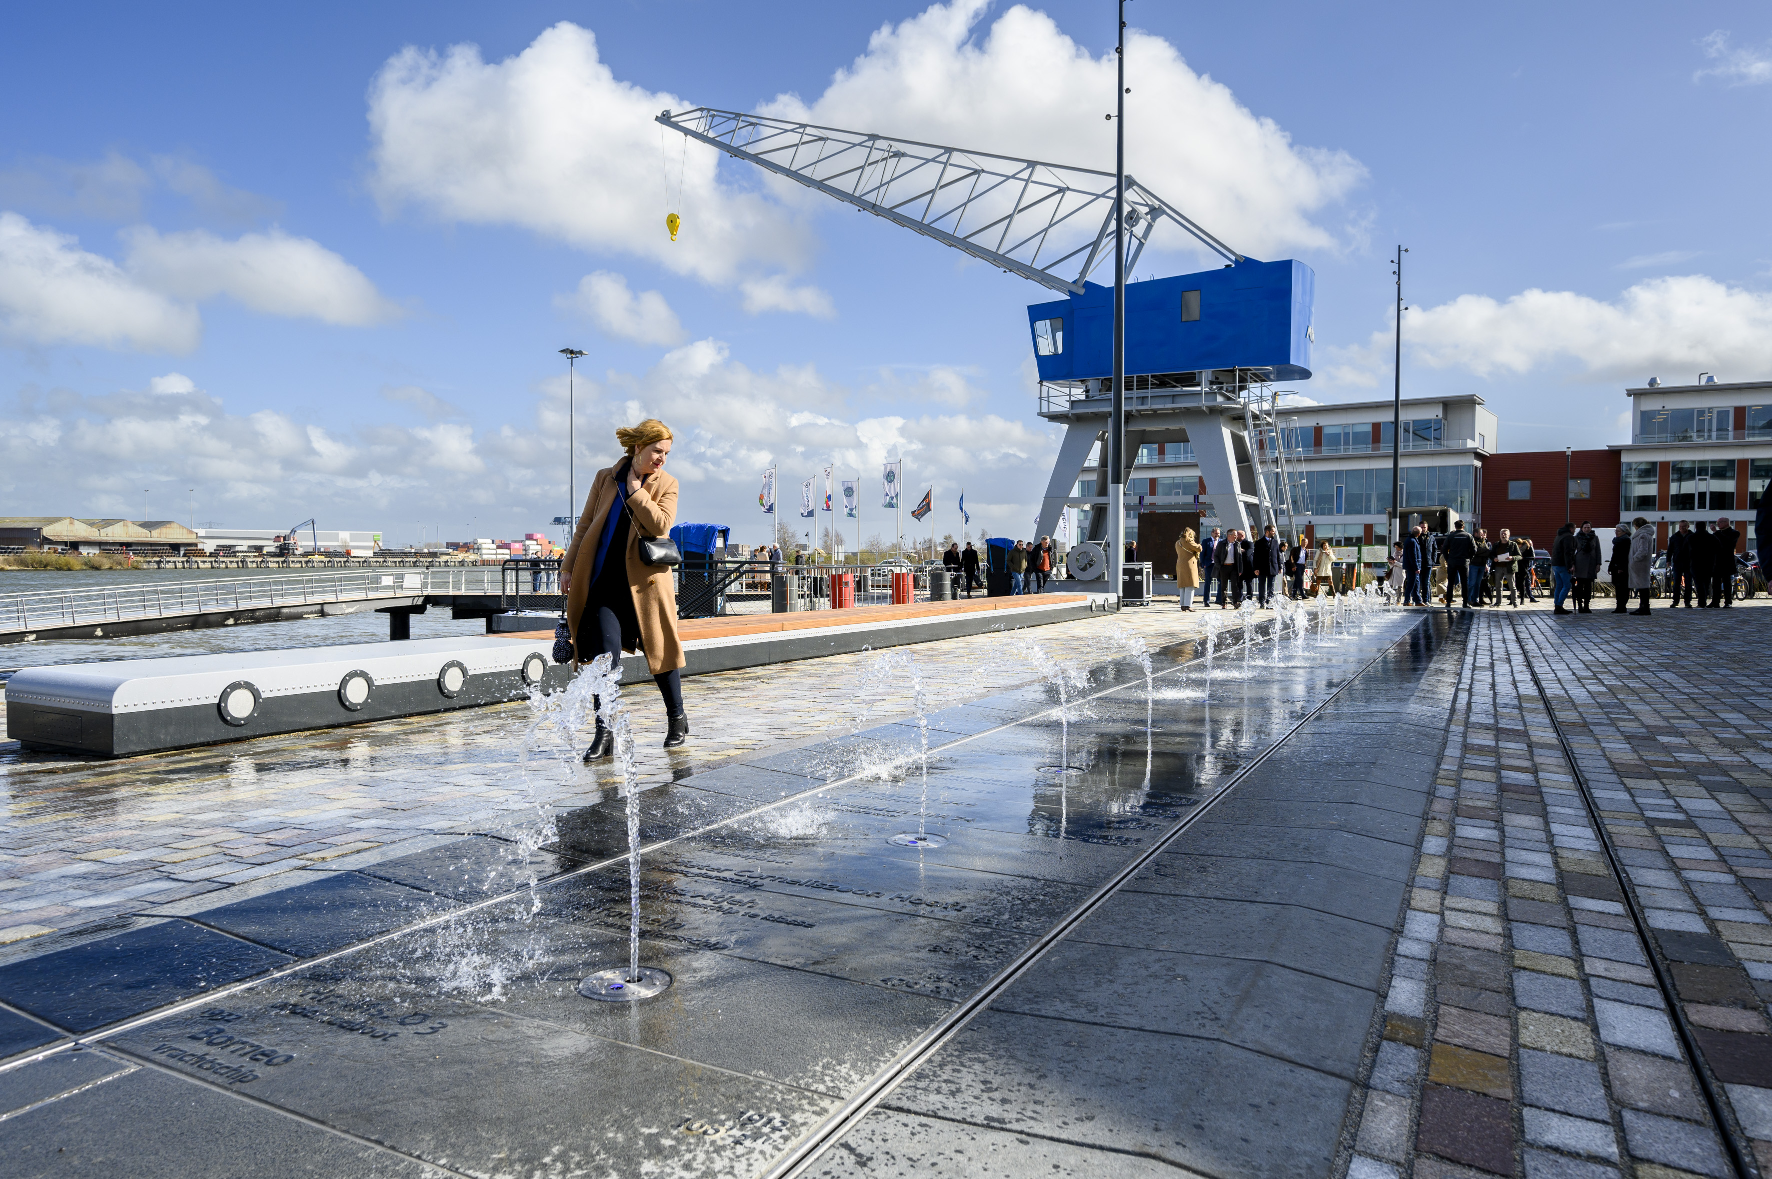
(1664, 438)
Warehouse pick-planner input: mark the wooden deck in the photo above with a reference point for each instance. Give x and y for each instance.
(735, 626)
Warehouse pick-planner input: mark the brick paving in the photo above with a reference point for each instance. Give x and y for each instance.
(83, 842)
(1524, 1032)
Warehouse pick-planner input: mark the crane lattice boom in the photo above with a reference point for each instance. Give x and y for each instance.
(1050, 223)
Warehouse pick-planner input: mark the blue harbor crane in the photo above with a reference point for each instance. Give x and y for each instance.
(1202, 350)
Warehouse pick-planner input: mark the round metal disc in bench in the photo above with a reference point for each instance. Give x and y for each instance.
(238, 703)
(452, 677)
(534, 668)
(354, 689)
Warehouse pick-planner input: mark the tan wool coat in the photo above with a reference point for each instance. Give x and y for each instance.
(652, 511)
(1187, 560)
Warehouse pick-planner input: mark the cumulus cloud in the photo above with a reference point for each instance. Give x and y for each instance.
(604, 299)
(272, 272)
(54, 292)
(1028, 89)
(778, 294)
(731, 422)
(1676, 324)
(1736, 65)
(550, 140)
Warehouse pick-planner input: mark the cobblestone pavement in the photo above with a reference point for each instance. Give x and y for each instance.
(82, 842)
(1524, 1029)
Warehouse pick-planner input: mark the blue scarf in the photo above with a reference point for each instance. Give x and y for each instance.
(615, 510)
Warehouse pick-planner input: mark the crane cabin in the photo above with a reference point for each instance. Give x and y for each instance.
(1248, 315)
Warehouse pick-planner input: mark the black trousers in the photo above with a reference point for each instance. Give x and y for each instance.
(599, 633)
(1722, 589)
(1264, 587)
(1685, 582)
(1584, 593)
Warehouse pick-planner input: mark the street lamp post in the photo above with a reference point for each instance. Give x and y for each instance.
(1568, 470)
(1397, 413)
(1117, 419)
(571, 355)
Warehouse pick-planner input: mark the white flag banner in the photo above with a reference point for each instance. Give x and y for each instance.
(1064, 526)
(851, 498)
(890, 478)
(806, 500)
(827, 488)
(766, 497)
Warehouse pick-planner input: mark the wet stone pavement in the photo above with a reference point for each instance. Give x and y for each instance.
(1528, 1028)
(418, 1013)
(1372, 903)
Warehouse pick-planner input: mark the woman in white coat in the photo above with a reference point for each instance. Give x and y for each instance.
(1642, 556)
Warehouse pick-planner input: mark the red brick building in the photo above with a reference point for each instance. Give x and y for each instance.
(1524, 491)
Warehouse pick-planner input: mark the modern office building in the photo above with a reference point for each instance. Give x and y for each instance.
(1338, 468)
(1697, 452)
(1531, 493)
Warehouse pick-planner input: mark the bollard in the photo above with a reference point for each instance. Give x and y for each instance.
(784, 593)
(903, 588)
(941, 585)
(842, 591)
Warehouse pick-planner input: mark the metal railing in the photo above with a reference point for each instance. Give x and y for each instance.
(172, 598)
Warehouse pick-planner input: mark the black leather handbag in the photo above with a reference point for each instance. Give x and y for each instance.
(660, 550)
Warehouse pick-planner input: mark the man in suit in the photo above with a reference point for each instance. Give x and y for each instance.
(1208, 565)
(1269, 554)
(1460, 551)
(1723, 540)
(1681, 548)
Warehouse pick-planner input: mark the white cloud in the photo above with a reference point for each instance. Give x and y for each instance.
(605, 300)
(778, 294)
(53, 292)
(1737, 66)
(1655, 261)
(1674, 324)
(550, 140)
(940, 383)
(1028, 89)
(731, 422)
(271, 272)
(112, 188)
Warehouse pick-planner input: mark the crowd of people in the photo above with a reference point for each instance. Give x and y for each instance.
(1030, 565)
(1700, 572)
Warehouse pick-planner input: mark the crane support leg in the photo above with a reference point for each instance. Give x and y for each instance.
(1215, 451)
(1073, 452)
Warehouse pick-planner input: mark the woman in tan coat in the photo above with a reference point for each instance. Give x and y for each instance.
(1187, 567)
(616, 602)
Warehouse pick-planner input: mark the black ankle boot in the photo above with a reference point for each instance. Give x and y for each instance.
(602, 745)
(679, 731)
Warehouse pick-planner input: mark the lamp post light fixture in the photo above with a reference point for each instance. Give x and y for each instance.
(571, 355)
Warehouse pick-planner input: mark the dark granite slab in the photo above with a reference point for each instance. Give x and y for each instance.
(325, 914)
(19, 1034)
(112, 978)
(471, 869)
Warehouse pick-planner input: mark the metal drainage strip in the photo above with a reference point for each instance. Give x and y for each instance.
(1739, 1158)
(862, 1102)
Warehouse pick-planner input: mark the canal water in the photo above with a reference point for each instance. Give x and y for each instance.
(368, 627)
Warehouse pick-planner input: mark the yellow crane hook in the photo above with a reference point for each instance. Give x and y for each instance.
(672, 221)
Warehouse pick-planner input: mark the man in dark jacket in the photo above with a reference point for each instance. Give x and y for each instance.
(1297, 557)
(1722, 569)
(1763, 533)
(1562, 558)
(1681, 547)
(1269, 555)
(1524, 555)
(1460, 550)
(1701, 562)
(1209, 557)
(1619, 568)
(1585, 567)
(969, 568)
(1245, 566)
(1412, 568)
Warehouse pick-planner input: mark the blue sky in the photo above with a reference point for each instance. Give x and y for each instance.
(310, 264)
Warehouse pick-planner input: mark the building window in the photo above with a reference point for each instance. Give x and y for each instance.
(1685, 425)
(1347, 438)
(1423, 434)
(1340, 500)
(1049, 337)
(1190, 306)
(1759, 473)
(1173, 486)
(1703, 485)
(1636, 488)
(1759, 422)
(1519, 489)
(1482, 442)
(1581, 489)
(1147, 453)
